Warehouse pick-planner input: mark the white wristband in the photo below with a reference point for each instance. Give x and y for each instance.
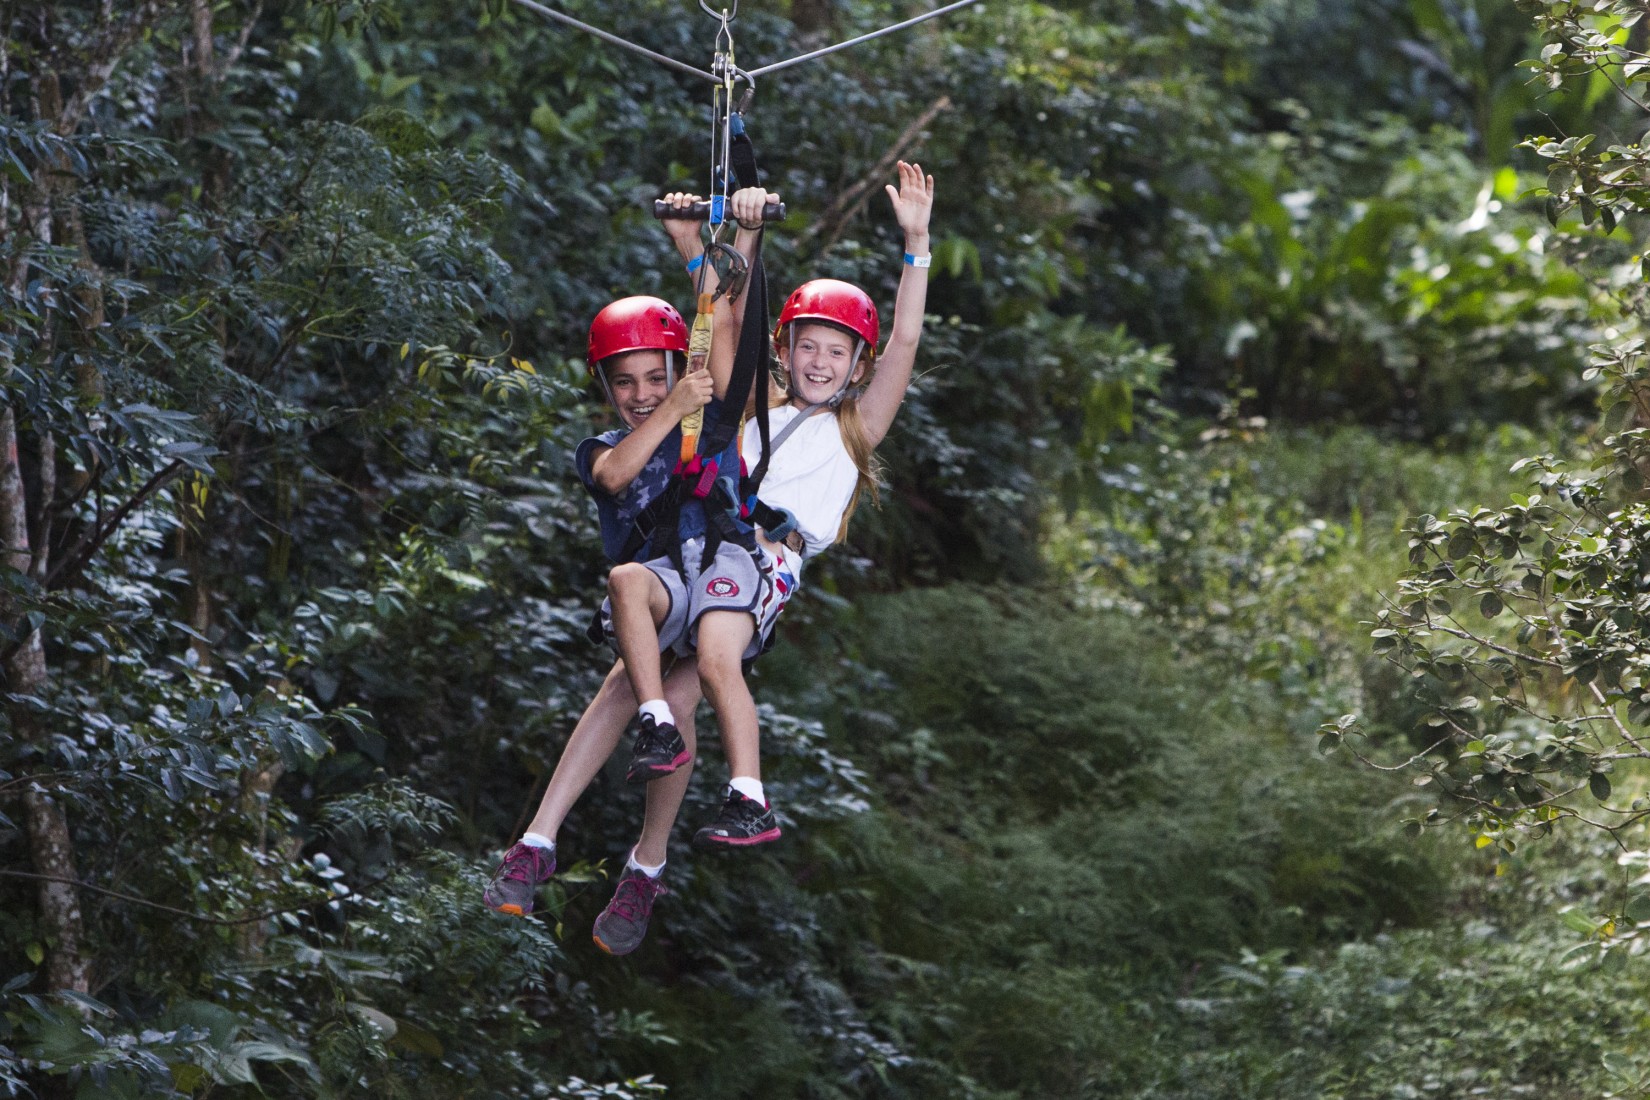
(918, 261)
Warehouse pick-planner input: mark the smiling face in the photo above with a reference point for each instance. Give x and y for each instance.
(637, 381)
(820, 359)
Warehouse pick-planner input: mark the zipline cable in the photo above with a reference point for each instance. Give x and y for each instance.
(671, 62)
(684, 67)
(778, 65)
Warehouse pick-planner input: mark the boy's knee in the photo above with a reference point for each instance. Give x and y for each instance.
(628, 580)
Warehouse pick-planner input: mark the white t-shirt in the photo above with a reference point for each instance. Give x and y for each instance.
(812, 475)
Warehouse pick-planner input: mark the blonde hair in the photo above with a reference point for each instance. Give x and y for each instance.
(848, 423)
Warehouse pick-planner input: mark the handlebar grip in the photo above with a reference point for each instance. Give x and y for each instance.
(701, 211)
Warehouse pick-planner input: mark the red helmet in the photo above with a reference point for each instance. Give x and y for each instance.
(634, 324)
(836, 302)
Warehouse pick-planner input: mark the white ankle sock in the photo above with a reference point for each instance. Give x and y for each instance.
(660, 711)
(538, 840)
(750, 788)
(633, 863)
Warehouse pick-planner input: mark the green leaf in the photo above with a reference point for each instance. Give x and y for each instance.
(1620, 1065)
(1577, 921)
(1599, 784)
(382, 1022)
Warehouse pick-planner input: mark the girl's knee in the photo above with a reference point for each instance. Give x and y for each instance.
(615, 689)
(718, 667)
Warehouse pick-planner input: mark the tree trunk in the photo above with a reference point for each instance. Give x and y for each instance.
(26, 675)
(50, 843)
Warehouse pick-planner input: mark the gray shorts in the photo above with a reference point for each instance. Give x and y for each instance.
(738, 580)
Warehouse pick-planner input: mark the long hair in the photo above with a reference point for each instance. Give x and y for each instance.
(848, 423)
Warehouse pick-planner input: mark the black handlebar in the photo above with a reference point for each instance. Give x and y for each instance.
(700, 211)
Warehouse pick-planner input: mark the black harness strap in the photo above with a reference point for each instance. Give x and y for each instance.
(703, 479)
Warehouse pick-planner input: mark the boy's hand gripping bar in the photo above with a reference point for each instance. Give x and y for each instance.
(703, 211)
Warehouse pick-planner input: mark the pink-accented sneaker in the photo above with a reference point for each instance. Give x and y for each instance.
(659, 751)
(742, 822)
(524, 870)
(623, 924)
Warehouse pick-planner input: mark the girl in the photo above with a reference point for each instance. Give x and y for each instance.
(826, 424)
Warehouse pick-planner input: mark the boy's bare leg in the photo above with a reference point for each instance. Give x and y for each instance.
(723, 636)
(592, 741)
(639, 604)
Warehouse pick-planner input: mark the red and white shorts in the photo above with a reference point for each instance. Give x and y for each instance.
(737, 580)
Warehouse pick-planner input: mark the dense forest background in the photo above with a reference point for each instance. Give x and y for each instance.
(1239, 692)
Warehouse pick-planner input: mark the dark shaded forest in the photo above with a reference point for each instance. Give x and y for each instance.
(1241, 689)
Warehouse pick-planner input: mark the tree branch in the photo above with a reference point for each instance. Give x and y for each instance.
(225, 922)
(102, 59)
(100, 534)
(848, 202)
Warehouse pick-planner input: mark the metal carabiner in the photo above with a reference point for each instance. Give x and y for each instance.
(726, 15)
(729, 282)
(750, 90)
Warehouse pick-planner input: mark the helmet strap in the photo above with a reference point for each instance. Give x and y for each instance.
(842, 392)
(790, 365)
(601, 376)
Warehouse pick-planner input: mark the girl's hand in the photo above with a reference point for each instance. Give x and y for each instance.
(683, 231)
(913, 204)
(691, 391)
(746, 204)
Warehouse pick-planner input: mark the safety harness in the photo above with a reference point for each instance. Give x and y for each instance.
(728, 497)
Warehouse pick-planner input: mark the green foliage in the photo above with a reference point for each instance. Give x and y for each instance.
(1405, 1015)
(301, 352)
(1380, 275)
(1520, 626)
(1588, 45)
(1070, 815)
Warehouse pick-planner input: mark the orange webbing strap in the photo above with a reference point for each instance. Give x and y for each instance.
(698, 358)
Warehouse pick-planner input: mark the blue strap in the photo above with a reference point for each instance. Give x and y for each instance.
(785, 529)
(730, 491)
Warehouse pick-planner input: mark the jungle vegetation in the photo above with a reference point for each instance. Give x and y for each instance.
(1242, 690)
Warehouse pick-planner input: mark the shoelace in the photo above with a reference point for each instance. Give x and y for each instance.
(650, 740)
(740, 813)
(638, 900)
(527, 864)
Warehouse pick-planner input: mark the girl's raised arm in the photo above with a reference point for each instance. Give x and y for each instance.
(913, 204)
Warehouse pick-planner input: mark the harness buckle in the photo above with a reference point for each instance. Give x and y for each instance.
(707, 478)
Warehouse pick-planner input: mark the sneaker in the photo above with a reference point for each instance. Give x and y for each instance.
(620, 928)
(742, 822)
(659, 751)
(524, 870)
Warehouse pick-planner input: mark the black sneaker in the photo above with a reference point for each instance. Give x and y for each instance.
(742, 822)
(659, 751)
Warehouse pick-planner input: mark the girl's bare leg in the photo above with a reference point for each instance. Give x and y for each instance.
(723, 636)
(665, 795)
(598, 733)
